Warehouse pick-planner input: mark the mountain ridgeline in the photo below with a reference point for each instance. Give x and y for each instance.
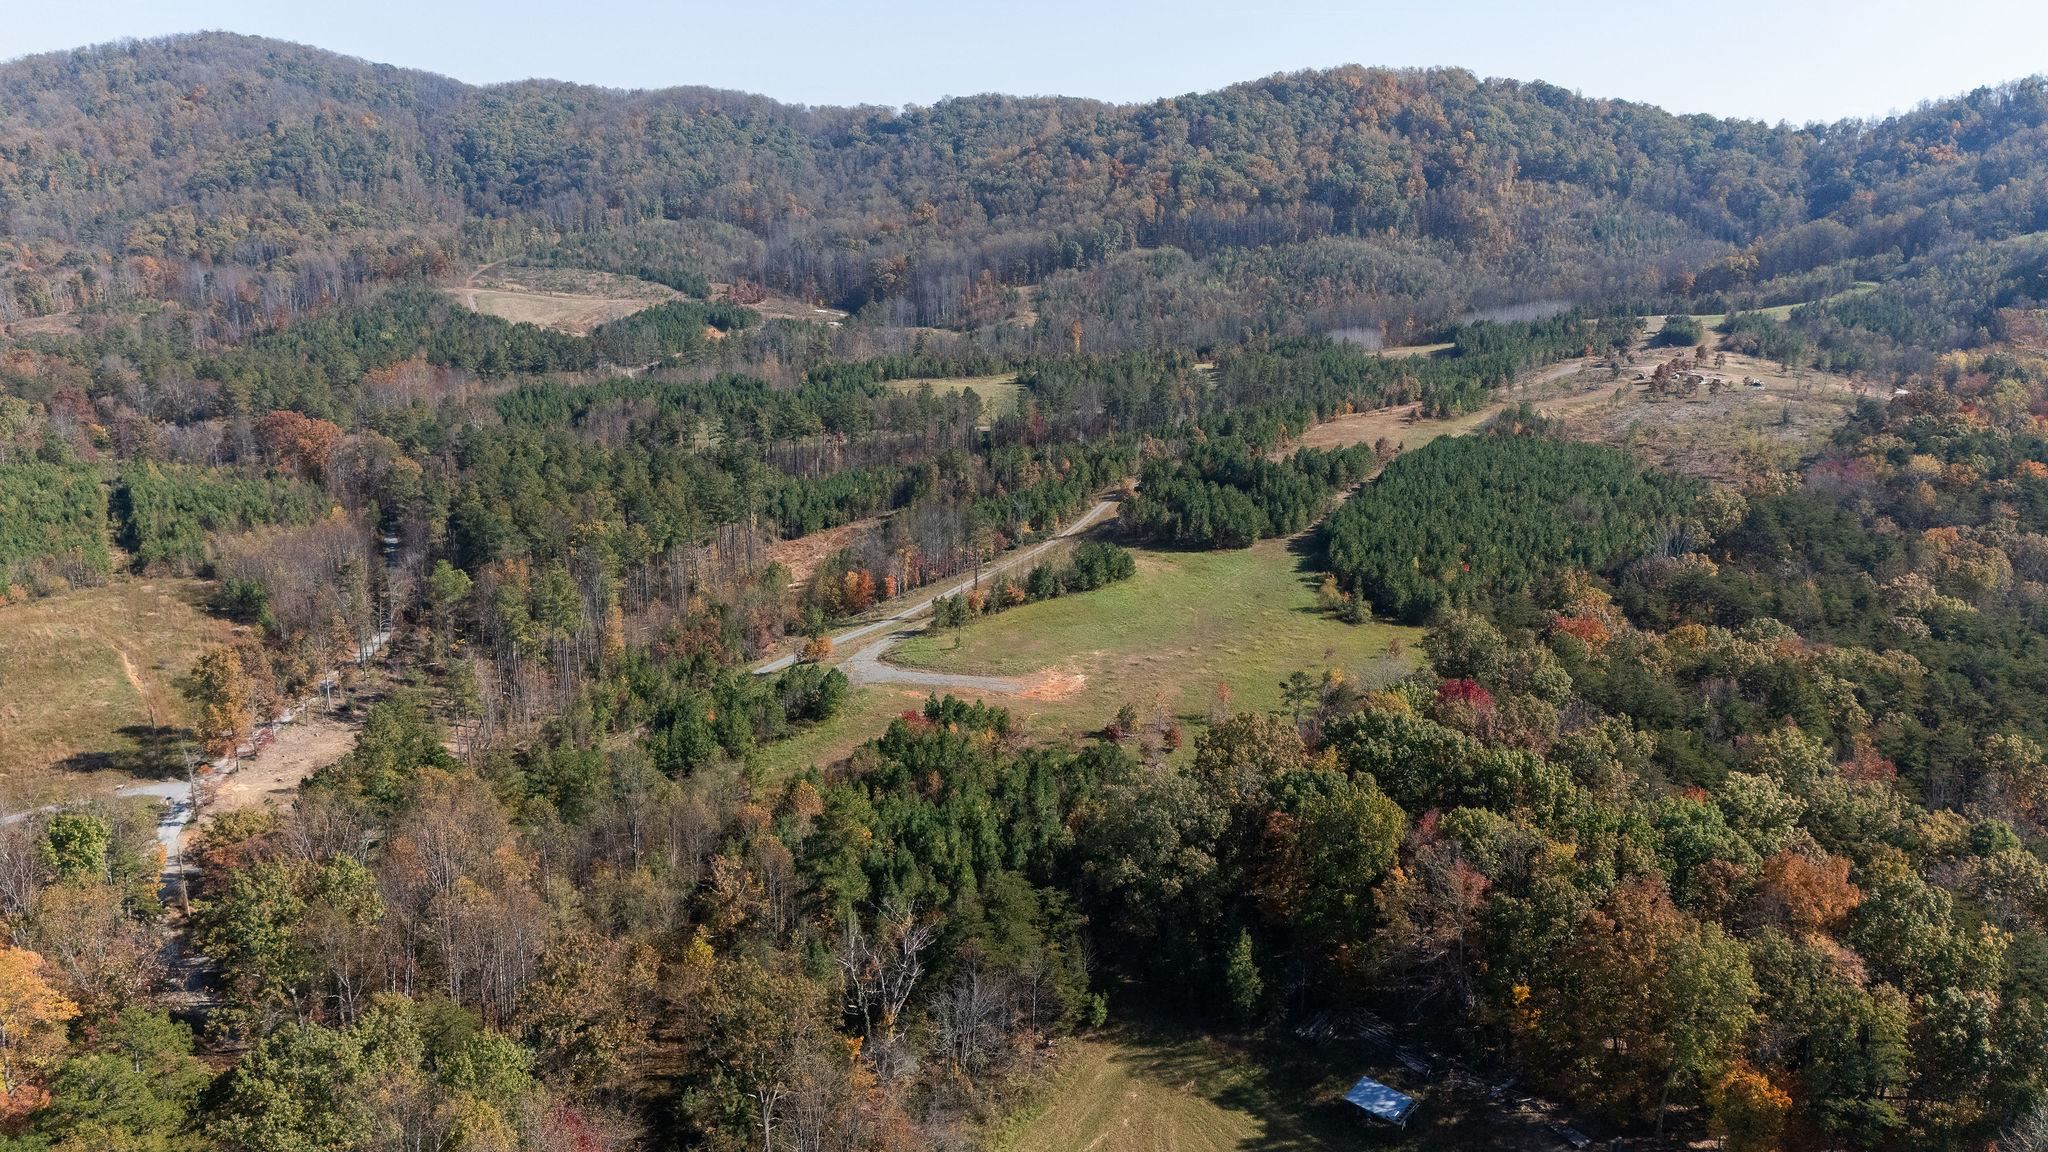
(252, 179)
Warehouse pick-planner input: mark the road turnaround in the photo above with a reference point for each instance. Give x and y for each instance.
(866, 665)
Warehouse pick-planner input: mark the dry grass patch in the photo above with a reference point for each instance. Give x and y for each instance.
(1112, 1097)
(88, 693)
(568, 300)
(1000, 393)
(1403, 351)
(572, 300)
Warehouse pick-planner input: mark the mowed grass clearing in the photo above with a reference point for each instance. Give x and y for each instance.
(85, 673)
(1163, 640)
(1138, 1095)
(1135, 1089)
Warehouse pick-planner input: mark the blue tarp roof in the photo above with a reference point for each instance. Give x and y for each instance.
(1380, 1100)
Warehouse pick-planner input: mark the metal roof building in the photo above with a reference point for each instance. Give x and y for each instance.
(1378, 1100)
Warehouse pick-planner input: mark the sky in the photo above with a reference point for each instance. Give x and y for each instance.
(1796, 60)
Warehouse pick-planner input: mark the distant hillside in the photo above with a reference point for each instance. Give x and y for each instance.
(252, 178)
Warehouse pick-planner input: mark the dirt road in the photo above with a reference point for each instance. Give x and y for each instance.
(866, 666)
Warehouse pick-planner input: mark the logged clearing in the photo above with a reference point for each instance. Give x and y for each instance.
(776, 306)
(273, 775)
(1736, 434)
(802, 554)
(567, 299)
(1163, 641)
(87, 685)
(1000, 394)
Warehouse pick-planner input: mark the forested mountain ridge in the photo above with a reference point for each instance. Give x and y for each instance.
(218, 167)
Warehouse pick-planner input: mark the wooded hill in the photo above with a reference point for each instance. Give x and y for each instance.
(252, 178)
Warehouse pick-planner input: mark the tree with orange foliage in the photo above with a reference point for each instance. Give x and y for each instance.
(816, 650)
(32, 1034)
(1642, 1000)
(1809, 894)
(859, 590)
(302, 444)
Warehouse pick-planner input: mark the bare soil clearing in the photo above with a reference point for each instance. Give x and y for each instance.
(301, 748)
(802, 554)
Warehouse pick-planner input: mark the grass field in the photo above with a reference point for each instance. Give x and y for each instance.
(1164, 639)
(1160, 641)
(1000, 394)
(83, 676)
(1155, 1095)
(864, 716)
(1142, 1090)
(1713, 320)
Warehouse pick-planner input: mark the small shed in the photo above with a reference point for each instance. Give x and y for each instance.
(1381, 1102)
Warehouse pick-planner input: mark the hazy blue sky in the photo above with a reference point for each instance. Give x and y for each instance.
(1788, 59)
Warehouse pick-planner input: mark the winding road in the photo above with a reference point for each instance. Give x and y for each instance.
(866, 665)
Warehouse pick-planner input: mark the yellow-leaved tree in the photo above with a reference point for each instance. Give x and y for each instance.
(32, 1019)
(220, 687)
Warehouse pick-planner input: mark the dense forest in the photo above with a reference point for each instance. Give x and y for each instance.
(1707, 812)
(1476, 518)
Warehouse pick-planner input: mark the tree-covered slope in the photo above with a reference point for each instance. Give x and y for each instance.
(147, 161)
